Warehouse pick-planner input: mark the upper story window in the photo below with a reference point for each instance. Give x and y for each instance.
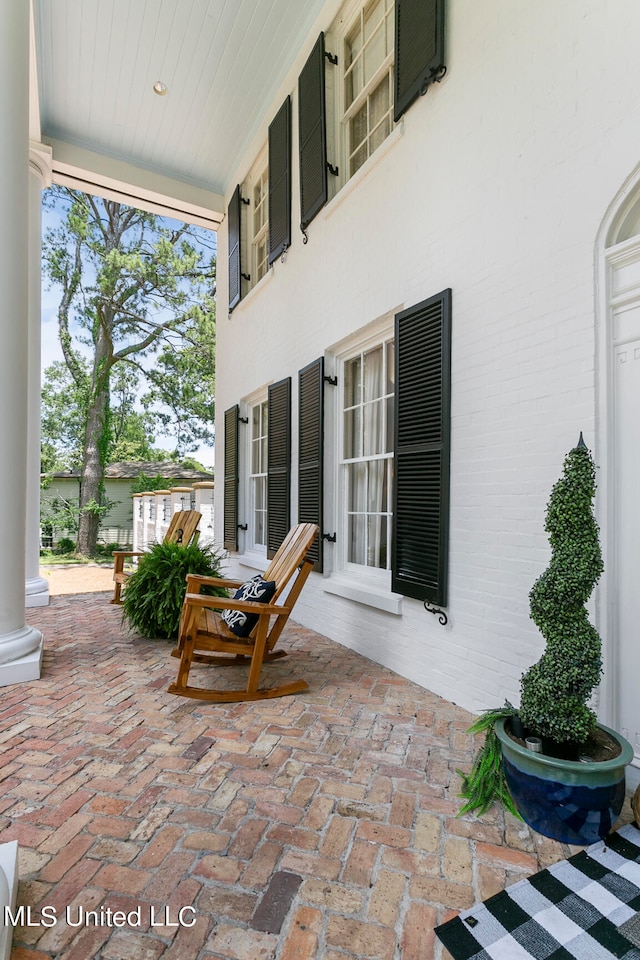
(367, 455)
(368, 81)
(260, 225)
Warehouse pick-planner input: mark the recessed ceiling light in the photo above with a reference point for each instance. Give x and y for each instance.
(160, 88)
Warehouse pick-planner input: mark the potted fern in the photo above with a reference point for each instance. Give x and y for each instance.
(564, 772)
(154, 594)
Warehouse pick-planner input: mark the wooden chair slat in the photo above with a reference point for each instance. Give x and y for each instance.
(183, 528)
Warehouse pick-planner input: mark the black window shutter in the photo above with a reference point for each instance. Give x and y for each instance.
(280, 182)
(311, 451)
(231, 419)
(419, 53)
(278, 464)
(312, 133)
(233, 228)
(422, 439)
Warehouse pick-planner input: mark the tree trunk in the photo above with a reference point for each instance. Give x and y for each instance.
(96, 437)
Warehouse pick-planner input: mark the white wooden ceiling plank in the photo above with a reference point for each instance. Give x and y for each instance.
(227, 106)
(182, 60)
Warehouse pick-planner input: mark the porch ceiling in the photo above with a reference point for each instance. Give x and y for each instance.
(222, 61)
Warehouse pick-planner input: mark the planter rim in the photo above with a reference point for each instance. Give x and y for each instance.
(623, 759)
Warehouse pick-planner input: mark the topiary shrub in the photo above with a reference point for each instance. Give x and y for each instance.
(154, 594)
(556, 689)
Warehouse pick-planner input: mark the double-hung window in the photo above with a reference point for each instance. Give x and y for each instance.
(258, 476)
(259, 225)
(367, 455)
(368, 81)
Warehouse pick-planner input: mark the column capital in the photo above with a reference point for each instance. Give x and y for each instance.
(41, 162)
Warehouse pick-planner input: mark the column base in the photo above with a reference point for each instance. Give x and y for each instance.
(23, 669)
(8, 892)
(36, 592)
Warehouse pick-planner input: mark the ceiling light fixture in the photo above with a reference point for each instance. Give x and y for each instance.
(160, 88)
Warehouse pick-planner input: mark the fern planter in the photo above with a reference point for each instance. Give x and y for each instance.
(154, 594)
(568, 800)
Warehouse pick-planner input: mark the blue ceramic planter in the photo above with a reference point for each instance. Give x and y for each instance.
(566, 800)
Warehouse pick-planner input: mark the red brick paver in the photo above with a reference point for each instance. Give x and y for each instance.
(174, 814)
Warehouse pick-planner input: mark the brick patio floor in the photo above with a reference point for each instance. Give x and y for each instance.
(332, 813)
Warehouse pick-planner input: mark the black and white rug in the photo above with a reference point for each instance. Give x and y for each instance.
(583, 908)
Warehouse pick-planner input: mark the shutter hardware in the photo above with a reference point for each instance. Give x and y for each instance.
(331, 380)
(246, 202)
(334, 170)
(243, 419)
(330, 537)
(331, 57)
(440, 614)
(246, 276)
(435, 77)
(243, 526)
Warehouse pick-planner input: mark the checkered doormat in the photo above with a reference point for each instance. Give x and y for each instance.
(583, 908)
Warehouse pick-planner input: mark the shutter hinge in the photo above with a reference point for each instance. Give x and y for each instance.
(243, 526)
(330, 537)
(334, 170)
(437, 612)
(246, 276)
(245, 200)
(331, 380)
(331, 57)
(243, 419)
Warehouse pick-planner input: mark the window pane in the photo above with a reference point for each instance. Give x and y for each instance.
(352, 434)
(357, 487)
(373, 428)
(374, 54)
(373, 16)
(391, 370)
(389, 431)
(358, 128)
(352, 382)
(375, 491)
(377, 542)
(358, 159)
(356, 543)
(259, 492)
(263, 455)
(255, 422)
(379, 104)
(373, 374)
(265, 418)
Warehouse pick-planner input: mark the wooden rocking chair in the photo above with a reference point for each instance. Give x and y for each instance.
(183, 528)
(203, 629)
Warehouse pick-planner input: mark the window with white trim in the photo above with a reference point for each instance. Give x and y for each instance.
(366, 462)
(258, 420)
(368, 59)
(260, 226)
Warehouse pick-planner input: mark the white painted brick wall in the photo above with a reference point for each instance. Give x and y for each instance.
(496, 186)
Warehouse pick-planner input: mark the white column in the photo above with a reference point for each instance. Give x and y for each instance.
(20, 645)
(36, 587)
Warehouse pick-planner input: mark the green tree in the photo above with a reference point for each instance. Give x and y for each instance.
(136, 307)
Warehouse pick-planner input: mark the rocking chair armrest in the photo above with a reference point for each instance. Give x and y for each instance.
(229, 603)
(200, 580)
